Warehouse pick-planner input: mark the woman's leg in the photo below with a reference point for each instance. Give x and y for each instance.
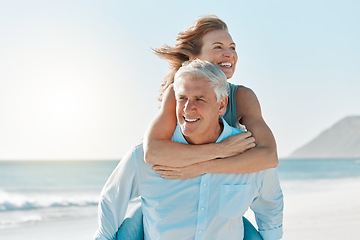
(132, 226)
(250, 233)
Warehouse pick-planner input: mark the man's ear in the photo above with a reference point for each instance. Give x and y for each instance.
(223, 105)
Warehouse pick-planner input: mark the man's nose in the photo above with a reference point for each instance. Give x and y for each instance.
(189, 106)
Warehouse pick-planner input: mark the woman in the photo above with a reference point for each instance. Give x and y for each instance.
(208, 39)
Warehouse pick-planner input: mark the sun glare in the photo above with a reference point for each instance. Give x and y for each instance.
(63, 105)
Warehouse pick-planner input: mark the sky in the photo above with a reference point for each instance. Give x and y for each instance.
(79, 81)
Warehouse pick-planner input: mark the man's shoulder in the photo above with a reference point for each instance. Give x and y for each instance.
(135, 153)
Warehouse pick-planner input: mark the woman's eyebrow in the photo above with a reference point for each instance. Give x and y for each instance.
(223, 43)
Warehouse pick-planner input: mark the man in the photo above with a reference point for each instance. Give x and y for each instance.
(210, 206)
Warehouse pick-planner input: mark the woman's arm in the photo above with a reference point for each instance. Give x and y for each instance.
(262, 156)
(160, 150)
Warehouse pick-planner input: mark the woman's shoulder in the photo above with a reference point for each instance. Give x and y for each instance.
(243, 92)
(239, 87)
(247, 102)
(243, 88)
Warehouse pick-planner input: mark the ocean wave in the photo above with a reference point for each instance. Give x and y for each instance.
(17, 201)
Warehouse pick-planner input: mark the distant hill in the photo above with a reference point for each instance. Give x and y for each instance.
(342, 140)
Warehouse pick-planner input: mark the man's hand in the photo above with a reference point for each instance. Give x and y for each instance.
(186, 172)
(236, 144)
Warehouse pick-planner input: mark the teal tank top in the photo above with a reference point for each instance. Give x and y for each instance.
(230, 115)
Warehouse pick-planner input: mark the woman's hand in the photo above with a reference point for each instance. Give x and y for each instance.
(186, 172)
(236, 144)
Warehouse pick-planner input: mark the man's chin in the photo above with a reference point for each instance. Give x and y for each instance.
(188, 134)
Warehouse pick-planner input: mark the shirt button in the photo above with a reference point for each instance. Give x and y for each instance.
(202, 209)
(204, 184)
(200, 231)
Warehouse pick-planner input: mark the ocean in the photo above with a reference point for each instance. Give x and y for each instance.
(32, 192)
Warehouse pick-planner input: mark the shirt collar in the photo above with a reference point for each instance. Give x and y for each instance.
(179, 137)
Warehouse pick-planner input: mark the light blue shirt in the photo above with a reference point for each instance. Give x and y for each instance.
(210, 206)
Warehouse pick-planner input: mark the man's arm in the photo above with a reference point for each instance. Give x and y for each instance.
(121, 187)
(269, 206)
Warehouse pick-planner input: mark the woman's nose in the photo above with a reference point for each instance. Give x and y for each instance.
(228, 53)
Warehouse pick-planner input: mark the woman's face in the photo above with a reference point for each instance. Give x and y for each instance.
(219, 48)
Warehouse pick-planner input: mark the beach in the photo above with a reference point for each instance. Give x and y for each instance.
(322, 209)
(73, 229)
(314, 209)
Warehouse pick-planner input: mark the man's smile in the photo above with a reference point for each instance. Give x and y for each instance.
(191, 120)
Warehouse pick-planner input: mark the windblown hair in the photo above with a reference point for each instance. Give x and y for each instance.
(200, 69)
(188, 43)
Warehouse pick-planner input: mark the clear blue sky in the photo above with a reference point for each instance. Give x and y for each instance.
(78, 79)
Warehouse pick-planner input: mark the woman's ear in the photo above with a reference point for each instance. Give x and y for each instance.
(192, 58)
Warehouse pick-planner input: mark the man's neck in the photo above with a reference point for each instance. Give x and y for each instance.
(208, 139)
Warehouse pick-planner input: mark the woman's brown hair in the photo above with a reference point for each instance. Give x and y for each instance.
(188, 43)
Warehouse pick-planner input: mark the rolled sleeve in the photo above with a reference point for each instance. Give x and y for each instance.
(269, 206)
(273, 234)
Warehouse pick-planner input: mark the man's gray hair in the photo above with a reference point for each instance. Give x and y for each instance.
(205, 70)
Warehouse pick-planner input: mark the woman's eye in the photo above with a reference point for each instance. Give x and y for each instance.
(217, 47)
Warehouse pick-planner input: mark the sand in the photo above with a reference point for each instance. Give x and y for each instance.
(320, 209)
(79, 229)
(323, 209)
(316, 209)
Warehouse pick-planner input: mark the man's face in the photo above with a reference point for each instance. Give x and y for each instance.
(197, 110)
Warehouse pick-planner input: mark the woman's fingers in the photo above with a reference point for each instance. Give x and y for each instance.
(190, 171)
(238, 143)
(169, 173)
(246, 134)
(164, 168)
(250, 140)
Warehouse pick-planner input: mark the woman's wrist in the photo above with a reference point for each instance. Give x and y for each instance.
(217, 150)
(208, 166)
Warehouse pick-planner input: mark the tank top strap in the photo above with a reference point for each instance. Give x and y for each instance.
(230, 115)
